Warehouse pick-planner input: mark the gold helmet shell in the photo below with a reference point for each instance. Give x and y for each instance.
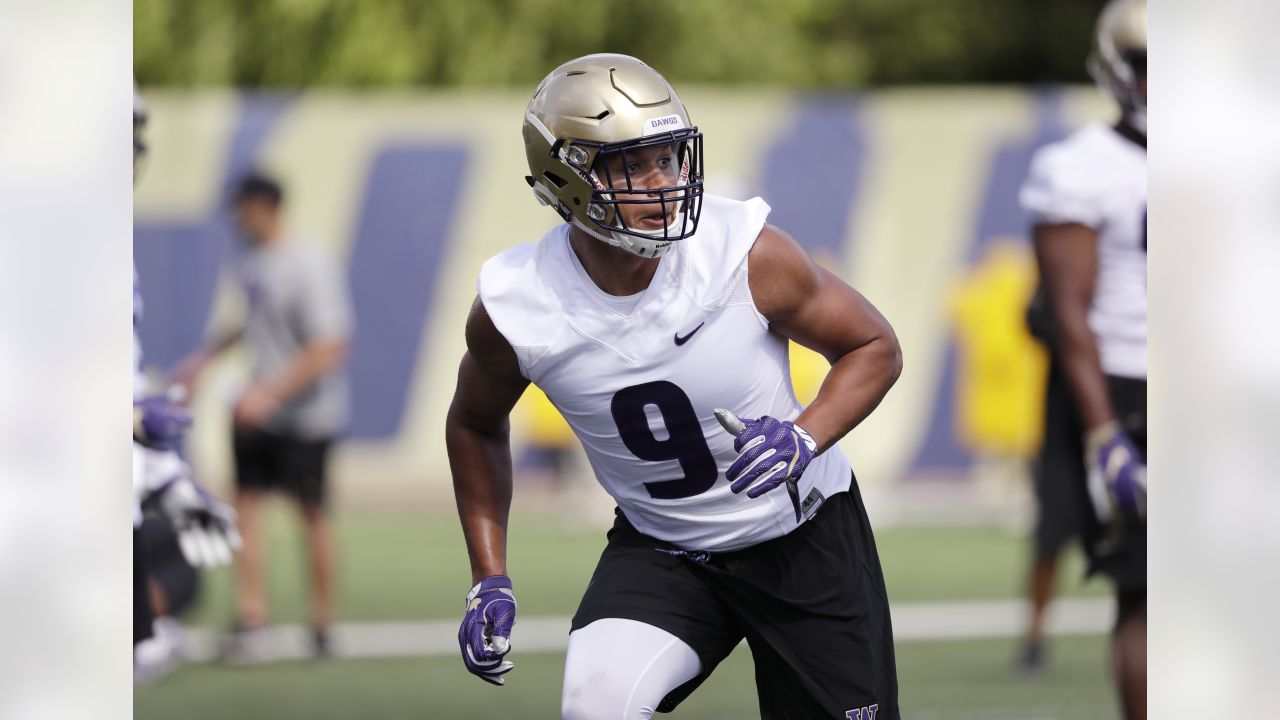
(590, 108)
(1119, 45)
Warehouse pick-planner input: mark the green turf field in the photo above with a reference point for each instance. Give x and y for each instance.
(401, 568)
(939, 681)
(398, 567)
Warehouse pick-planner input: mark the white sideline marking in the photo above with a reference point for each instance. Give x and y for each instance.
(916, 621)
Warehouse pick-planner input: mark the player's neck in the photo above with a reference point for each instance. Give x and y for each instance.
(612, 269)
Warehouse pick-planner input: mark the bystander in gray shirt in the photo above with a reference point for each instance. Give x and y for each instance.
(294, 296)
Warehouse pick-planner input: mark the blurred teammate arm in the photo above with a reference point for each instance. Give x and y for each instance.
(818, 310)
(1068, 258)
(477, 434)
(226, 331)
(1067, 255)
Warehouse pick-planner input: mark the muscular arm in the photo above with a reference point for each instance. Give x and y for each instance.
(1068, 258)
(819, 311)
(477, 433)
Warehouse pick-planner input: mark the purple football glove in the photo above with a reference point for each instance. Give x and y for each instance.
(485, 635)
(1117, 476)
(159, 422)
(770, 452)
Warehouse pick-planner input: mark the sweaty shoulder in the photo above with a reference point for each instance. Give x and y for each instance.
(1075, 179)
(513, 288)
(715, 257)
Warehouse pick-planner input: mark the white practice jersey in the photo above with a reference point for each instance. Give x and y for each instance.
(1098, 178)
(639, 388)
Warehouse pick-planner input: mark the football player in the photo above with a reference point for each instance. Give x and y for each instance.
(205, 528)
(657, 320)
(1087, 196)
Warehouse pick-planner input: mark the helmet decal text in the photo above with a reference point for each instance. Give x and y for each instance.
(666, 123)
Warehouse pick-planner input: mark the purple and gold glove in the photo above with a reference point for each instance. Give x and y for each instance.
(1117, 476)
(159, 422)
(485, 635)
(770, 452)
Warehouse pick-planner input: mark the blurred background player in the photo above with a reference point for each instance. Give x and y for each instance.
(1088, 196)
(638, 317)
(192, 528)
(296, 324)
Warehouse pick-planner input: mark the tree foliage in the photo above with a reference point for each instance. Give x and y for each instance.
(797, 43)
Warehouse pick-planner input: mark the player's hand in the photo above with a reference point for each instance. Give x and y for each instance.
(770, 452)
(1117, 477)
(159, 421)
(485, 635)
(256, 406)
(206, 528)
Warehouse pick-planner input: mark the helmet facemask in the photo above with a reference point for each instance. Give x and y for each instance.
(1120, 74)
(658, 176)
(1119, 59)
(1136, 111)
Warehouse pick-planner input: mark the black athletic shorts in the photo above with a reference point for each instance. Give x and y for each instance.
(811, 605)
(267, 461)
(142, 614)
(1059, 474)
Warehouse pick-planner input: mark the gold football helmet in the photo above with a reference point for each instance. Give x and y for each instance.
(585, 129)
(1119, 58)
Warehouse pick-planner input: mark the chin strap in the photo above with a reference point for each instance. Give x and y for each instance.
(633, 245)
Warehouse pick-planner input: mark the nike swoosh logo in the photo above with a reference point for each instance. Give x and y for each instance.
(685, 339)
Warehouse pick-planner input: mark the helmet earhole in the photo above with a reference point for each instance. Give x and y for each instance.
(596, 212)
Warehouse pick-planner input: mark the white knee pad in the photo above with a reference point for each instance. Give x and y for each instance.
(621, 669)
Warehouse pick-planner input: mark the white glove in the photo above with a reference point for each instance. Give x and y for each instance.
(206, 528)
